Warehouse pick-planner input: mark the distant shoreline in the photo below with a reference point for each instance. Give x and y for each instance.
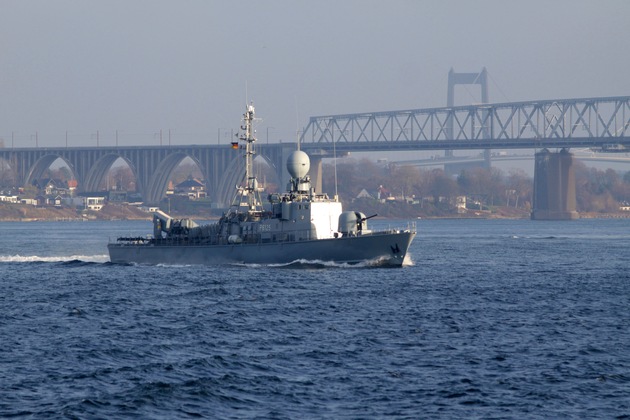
(117, 212)
(28, 213)
(24, 213)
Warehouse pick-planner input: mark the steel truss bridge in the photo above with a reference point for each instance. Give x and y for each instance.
(562, 123)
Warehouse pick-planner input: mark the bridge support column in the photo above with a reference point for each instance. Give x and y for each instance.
(554, 186)
(316, 173)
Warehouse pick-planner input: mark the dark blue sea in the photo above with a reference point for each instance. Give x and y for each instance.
(492, 319)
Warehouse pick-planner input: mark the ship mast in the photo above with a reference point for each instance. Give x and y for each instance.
(249, 195)
(247, 135)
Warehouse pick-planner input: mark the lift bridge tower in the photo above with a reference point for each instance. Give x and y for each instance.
(454, 79)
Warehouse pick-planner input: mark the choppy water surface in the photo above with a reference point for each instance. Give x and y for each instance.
(493, 319)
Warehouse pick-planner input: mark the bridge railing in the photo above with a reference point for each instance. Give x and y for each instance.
(569, 122)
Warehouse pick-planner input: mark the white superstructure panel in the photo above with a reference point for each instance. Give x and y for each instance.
(325, 218)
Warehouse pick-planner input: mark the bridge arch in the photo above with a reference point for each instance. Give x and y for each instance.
(8, 174)
(158, 182)
(101, 168)
(234, 174)
(36, 172)
(273, 170)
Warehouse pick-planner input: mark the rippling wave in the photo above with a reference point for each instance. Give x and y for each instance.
(490, 320)
(306, 263)
(59, 258)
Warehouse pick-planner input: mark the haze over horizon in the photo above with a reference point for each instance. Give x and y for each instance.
(88, 67)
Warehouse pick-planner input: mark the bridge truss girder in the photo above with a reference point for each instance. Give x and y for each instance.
(534, 124)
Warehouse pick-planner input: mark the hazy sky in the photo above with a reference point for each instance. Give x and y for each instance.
(138, 66)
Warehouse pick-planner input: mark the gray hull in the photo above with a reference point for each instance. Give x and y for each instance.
(381, 249)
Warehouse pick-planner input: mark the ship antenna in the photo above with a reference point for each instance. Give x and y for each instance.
(297, 124)
(332, 132)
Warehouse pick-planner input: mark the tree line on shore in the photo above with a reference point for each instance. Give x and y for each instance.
(398, 190)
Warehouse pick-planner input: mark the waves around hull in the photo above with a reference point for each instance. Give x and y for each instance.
(61, 258)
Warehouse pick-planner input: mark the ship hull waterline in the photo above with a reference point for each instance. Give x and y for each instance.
(386, 249)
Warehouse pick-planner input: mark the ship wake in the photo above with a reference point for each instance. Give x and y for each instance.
(303, 263)
(55, 259)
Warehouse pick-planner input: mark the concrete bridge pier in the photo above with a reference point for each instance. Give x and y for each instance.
(316, 173)
(554, 186)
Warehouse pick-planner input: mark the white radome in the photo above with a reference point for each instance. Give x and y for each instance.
(298, 164)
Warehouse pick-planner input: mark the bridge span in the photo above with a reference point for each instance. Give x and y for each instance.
(221, 166)
(557, 123)
(479, 159)
(589, 122)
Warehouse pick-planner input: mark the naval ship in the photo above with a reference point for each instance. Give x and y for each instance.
(298, 226)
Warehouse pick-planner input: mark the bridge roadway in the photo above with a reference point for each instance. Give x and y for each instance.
(590, 122)
(451, 160)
